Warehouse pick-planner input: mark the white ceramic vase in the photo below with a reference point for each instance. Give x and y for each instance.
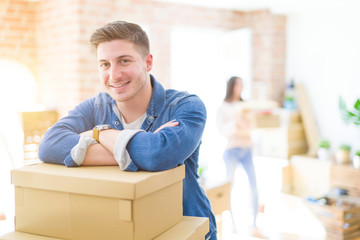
(324, 154)
(356, 161)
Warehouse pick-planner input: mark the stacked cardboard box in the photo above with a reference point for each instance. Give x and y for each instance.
(220, 198)
(264, 119)
(307, 176)
(190, 228)
(283, 141)
(340, 216)
(97, 202)
(347, 177)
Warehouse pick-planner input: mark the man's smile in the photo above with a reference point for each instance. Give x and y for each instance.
(117, 85)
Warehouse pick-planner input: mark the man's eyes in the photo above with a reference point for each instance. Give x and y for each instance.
(104, 65)
(125, 61)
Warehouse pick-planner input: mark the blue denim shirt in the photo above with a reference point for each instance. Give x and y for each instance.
(166, 149)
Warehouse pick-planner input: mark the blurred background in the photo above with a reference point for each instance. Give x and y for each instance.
(46, 66)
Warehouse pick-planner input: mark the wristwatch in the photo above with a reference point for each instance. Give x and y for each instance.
(98, 128)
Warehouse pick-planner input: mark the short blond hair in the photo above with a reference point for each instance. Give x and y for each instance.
(124, 31)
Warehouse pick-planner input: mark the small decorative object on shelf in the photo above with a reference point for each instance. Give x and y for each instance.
(356, 159)
(338, 213)
(343, 154)
(290, 96)
(324, 152)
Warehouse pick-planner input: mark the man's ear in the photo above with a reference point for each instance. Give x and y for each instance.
(149, 62)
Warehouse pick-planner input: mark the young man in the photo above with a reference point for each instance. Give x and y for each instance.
(137, 124)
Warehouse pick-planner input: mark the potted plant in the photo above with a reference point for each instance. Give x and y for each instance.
(350, 116)
(343, 154)
(324, 150)
(356, 159)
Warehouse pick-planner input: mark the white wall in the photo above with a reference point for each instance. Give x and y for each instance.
(202, 61)
(323, 53)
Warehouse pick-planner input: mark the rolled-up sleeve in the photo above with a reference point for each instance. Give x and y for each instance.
(170, 146)
(58, 141)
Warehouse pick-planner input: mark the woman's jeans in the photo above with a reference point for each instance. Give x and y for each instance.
(235, 156)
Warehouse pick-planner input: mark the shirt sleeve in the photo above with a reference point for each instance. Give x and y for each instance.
(60, 139)
(170, 146)
(78, 152)
(226, 122)
(121, 154)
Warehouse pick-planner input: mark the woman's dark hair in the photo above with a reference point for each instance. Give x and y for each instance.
(230, 89)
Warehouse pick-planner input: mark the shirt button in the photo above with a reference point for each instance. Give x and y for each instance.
(151, 117)
(116, 122)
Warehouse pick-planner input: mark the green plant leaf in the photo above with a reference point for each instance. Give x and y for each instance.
(357, 121)
(351, 115)
(357, 105)
(348, 116)
(324, 144)
(345, 147)
(342, 104)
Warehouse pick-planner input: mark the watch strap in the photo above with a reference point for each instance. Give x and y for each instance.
(96, 134)
(98, 128)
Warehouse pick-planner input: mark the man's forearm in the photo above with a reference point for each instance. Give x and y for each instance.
(107, 139)
(105, 152)
(97, 154)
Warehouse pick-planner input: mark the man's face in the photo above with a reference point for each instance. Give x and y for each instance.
(123, 69)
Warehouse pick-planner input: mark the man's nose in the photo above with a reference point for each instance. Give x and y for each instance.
(115, 73)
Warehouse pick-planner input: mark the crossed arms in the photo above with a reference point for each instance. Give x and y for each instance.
(162, 146)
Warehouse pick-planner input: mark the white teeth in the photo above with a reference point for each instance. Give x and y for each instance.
(120, 85)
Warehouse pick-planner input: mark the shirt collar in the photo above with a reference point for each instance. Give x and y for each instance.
(157, 100)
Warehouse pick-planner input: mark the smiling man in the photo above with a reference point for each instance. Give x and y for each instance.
(136, 123)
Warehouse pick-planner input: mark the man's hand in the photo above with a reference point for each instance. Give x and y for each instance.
(171, 123)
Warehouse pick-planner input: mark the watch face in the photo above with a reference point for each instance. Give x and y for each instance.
(102, 126)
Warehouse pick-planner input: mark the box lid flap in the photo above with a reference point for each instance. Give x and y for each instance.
(189, 228)
(107, 181)
(25, 236)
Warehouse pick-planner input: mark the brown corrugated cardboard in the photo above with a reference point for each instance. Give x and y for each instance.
(219, 197)
(96, 202)
(307, 115)
(264, 120)
(25, 236)
(190, 228)
(309, 176)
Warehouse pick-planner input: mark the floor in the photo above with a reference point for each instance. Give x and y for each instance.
(285, 217)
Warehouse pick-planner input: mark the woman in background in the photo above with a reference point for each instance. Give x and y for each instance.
(233, 123)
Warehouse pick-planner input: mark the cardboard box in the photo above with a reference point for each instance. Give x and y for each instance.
(347, 177)
(309, 176)
(190, 228)
(340, 217)
(282, 142)
(264, 120)
(220, 197)
(96, 202)
(25, 236)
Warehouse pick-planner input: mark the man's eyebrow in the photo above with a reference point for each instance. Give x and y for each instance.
(119, 57)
